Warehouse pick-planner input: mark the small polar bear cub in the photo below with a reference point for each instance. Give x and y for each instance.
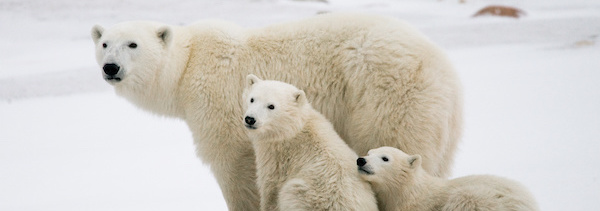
(400, 183)
(302, 163)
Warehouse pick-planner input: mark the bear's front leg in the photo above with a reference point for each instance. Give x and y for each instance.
(292, 195)
(237, 180)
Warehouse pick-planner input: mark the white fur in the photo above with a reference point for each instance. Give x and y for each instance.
(153, 89)
(284, 98)
(401, 184)
(302, 164)
(377, 79)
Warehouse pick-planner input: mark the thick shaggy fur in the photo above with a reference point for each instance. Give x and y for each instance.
(302, 164)
(377, 79)
(401, 184)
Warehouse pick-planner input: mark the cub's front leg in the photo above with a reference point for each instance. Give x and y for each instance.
(292, 195)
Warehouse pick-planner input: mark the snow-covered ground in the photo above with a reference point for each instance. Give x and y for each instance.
(531, 87)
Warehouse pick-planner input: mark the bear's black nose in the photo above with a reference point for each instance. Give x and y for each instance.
(111, 69)
(249, 120)
(361, 161)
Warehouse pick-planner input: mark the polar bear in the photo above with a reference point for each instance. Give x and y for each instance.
(400, 183)
(377, 79)
(302, 163)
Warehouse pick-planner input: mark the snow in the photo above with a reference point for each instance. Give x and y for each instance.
(531, 89)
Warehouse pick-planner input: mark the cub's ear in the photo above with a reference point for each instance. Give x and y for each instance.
(165, 35)
(97, 31)
(414, 161)
(300, 97)
(251, 80)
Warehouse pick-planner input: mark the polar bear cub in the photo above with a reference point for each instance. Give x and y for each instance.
(400, 183)
(302, 163)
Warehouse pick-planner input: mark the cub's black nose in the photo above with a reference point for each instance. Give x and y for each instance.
(361, 161)
(249, 120)
(111, 69)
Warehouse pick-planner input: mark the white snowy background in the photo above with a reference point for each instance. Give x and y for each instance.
(67, 142)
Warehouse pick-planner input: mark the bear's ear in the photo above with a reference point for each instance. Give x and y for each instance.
(414, 161)
(300, 97)
(251, 80)
(164, 34)
(97, 31)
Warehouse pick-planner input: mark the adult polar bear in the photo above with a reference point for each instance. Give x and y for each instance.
(377, 79)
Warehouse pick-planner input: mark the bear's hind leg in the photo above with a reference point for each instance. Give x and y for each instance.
(413, 130)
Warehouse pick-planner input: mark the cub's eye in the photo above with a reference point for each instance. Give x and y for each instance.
(271, 107)
(104, 45)
(251, 100)
(385, 159)
(133, 45)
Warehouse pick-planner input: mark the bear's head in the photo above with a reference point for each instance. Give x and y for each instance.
(387, 165)
(131, 52)
(274, 110)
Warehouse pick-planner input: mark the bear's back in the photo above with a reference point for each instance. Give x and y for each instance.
(487, 192)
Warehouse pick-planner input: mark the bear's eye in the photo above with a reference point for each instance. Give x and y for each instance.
(385, 159)
(104, 45)
(133, 45)
(271, 107)
(251, 100)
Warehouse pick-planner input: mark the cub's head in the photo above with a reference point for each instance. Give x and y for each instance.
(387, 165)
(274, 109)
(129, 52)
